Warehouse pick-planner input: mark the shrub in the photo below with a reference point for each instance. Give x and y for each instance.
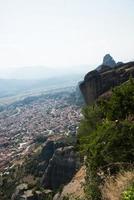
(121, 103)
(112, 143)
(128, 194)
(92, 117)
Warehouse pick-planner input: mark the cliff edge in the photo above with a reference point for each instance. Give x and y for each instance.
(104, 78)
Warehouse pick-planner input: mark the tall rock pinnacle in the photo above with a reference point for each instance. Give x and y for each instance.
(108, 61)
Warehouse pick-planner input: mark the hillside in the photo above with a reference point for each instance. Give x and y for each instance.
(106, 139)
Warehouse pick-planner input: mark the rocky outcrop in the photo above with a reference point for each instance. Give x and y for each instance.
(37, 164)
(56, 163)
(50, 147)
(75, 188)
(63, 165)
(100, 81)
(23, 193)
(108, 62)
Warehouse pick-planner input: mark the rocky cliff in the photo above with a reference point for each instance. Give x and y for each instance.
(63, 165)
(52, 167)
(75, 188)
(105, 78)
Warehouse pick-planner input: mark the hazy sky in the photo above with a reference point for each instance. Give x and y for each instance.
(65, 32)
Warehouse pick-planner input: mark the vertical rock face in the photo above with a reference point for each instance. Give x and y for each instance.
(75, 188)
(104, 78)
(91, 86)
(79, 100)
(59, 164)
(61, 168)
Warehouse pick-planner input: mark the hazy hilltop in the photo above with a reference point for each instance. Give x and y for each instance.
(33, 72)
(9, 87)
(39, 78)
(43, 72)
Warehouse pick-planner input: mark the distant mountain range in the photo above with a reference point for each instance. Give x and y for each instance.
(9, 87)
(42, 72)
(23, 79)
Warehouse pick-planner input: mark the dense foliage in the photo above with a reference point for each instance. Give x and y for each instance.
(106, 136)
(128, 194)
(121, 103)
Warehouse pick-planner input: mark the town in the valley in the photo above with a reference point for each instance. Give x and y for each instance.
(23, 121)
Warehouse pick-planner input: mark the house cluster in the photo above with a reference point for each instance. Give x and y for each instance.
(20, 125)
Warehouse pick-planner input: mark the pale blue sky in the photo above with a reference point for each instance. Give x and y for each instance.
(62, 33)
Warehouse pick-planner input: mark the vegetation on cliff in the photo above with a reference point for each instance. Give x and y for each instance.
(106, 136)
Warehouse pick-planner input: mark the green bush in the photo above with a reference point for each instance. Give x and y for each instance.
(128, 194)
(106, 136)
(92, 117)
(112, 143)
(121, 103)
